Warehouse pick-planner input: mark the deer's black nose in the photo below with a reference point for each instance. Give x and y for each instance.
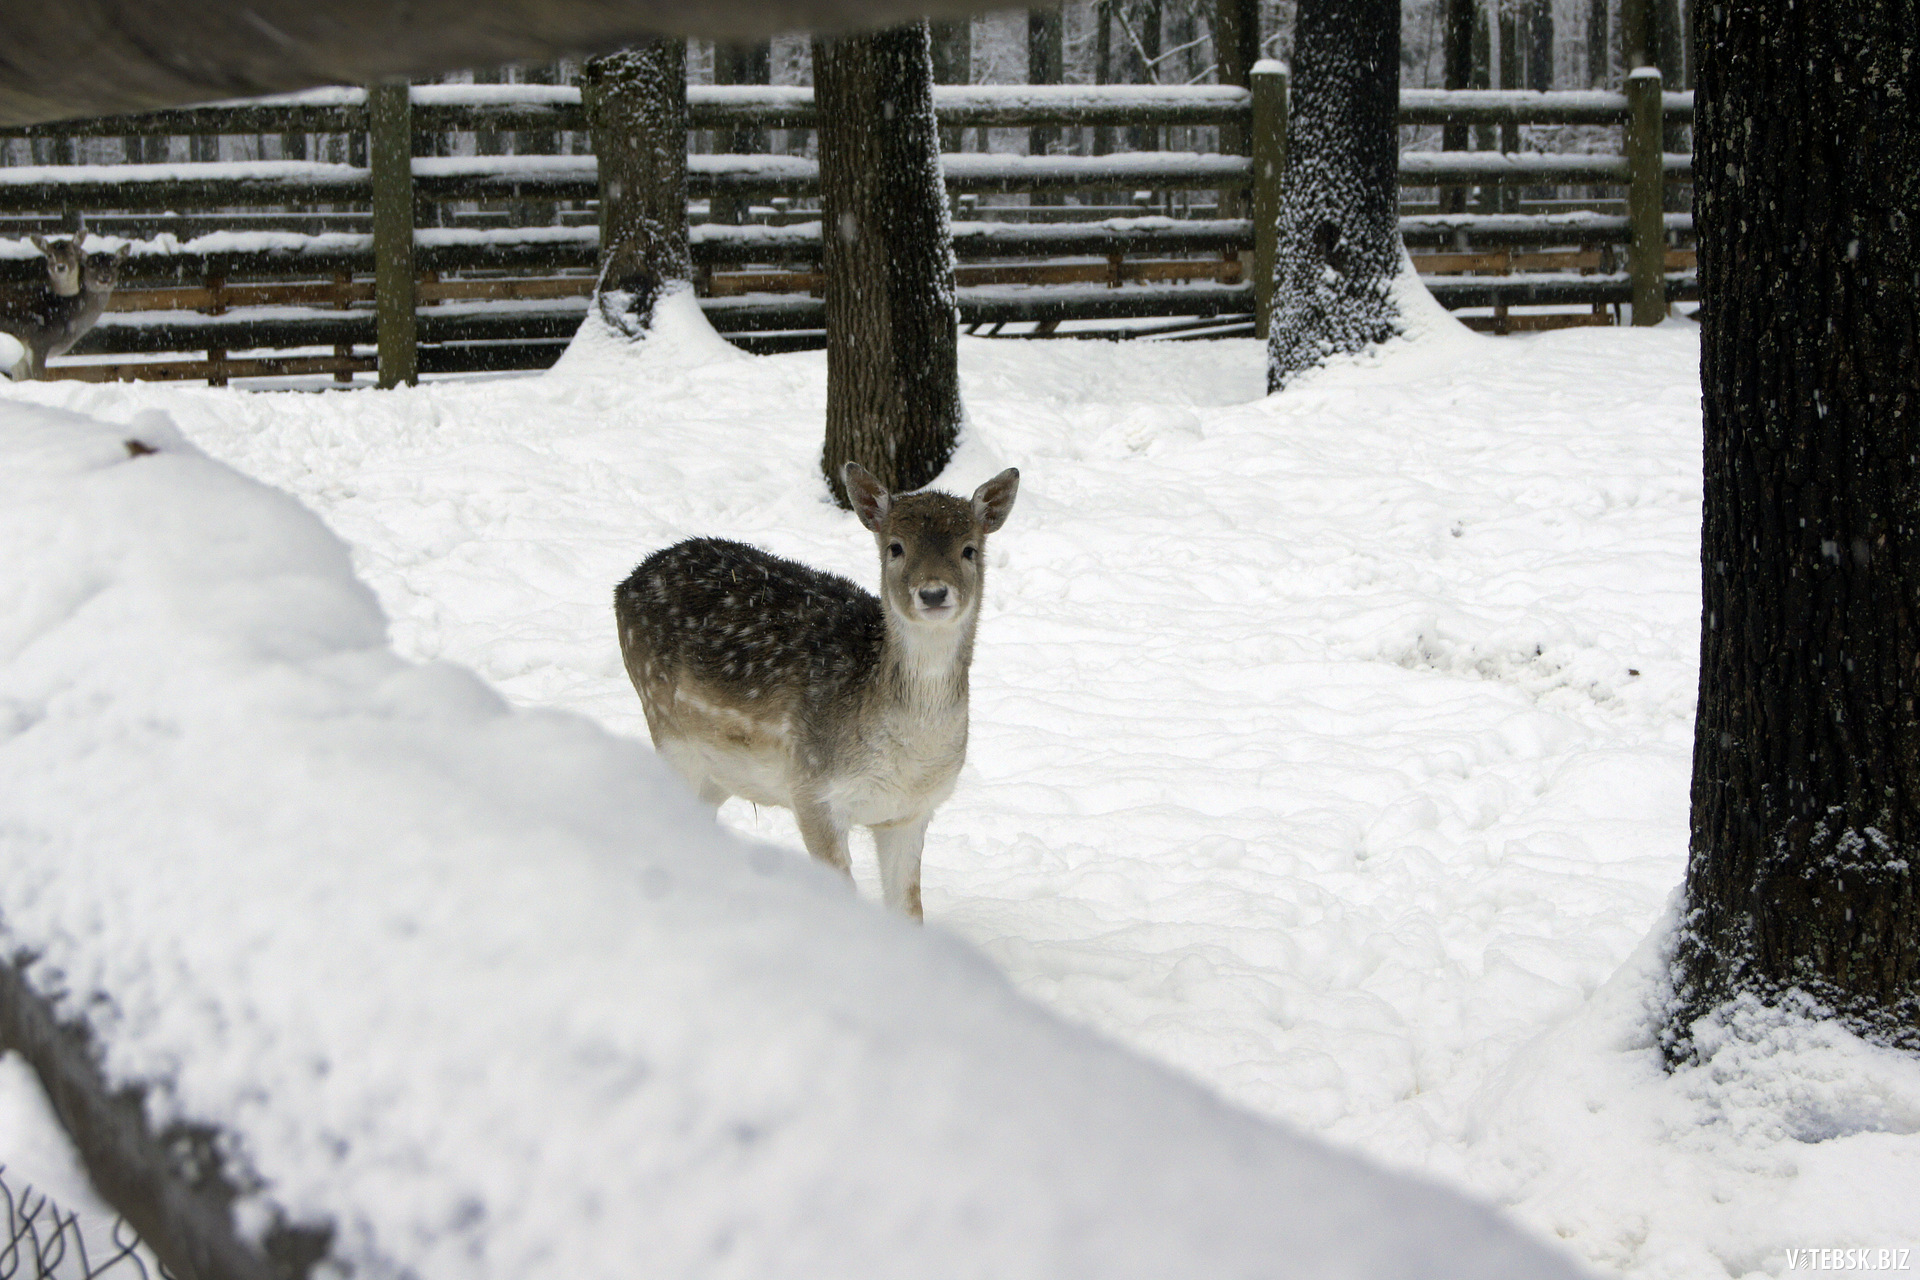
(933, 597)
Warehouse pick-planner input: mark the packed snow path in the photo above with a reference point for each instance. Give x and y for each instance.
(1332, 747)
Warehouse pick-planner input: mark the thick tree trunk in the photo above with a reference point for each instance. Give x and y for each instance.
(1339, 245)
(636, 105)
(1806, 780)
(893, 386)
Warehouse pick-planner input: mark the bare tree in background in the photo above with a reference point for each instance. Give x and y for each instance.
(740, 64)
(953, 64)
(1046, 64)
(1457, 63)
(893, 383)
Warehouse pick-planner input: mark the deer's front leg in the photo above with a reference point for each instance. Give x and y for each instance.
(824, 833)
(898, 848)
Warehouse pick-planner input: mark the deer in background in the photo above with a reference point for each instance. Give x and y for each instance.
(48, 319)
(775, 682)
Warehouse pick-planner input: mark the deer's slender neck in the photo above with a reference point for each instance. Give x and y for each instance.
(95, 304)
(927, 665)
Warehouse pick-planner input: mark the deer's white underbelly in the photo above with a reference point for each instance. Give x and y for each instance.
(757, 773)
(905, 772)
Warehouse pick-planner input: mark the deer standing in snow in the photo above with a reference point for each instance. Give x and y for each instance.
(49, 318)
(765, 679)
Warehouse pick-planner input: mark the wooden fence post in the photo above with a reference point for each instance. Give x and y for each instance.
(1269, 148)
(390, 152)
(1647, 256)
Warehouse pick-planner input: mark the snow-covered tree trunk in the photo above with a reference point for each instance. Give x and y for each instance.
(1339, 244)
(1805, 847)
(636, 105)
(893, 383)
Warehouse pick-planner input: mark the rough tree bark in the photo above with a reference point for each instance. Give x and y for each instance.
(1339, 244)
(636, 105)
(1806, 779)
(893, 385)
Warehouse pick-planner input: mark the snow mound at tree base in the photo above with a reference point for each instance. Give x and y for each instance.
(487, 991)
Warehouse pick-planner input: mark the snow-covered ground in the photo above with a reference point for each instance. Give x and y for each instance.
(1330, 747)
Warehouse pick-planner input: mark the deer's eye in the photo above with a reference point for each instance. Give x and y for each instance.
(895, 550)
(968, 554)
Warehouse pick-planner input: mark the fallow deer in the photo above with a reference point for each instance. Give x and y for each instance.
(784, 685)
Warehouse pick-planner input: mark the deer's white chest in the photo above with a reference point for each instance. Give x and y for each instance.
(906, 768)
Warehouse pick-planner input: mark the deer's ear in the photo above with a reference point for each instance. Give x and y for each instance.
(40, 243)
(993, 501)
(869, 497)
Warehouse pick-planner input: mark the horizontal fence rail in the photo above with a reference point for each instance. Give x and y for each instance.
(460, 107)
(500, 298)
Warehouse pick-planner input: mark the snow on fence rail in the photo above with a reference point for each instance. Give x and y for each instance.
(292, 291)
(445, 107)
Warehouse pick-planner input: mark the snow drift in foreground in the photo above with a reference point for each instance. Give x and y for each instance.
(487, 990)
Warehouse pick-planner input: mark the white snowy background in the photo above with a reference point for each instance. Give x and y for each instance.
(1330, 748)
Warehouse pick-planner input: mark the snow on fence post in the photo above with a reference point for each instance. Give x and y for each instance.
(1268, 147)
(390, 154)
(1647, 254)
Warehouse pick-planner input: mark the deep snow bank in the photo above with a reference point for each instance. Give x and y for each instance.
(487, 991)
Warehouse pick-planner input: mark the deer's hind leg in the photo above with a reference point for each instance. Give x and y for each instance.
(687, 760)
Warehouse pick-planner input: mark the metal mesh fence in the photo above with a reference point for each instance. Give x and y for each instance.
(42, 1240)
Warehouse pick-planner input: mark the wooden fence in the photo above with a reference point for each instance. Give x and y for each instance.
(505, 298)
